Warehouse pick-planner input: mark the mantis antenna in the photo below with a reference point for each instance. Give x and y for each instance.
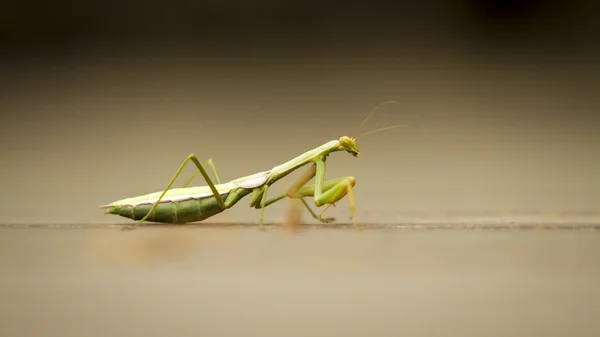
(383, 129)
(380, 129)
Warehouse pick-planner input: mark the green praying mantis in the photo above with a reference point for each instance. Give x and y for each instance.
(193, 204)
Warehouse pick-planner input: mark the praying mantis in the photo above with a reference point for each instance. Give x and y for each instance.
(193, 204)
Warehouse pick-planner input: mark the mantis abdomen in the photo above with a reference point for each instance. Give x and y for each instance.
(172, 212)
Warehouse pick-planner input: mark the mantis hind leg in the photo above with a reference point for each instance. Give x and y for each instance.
(210, 163)
(195, 160)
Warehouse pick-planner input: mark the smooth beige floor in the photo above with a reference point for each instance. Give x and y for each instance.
(317, 282)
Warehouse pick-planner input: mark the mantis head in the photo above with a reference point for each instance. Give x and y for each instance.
(348, 144)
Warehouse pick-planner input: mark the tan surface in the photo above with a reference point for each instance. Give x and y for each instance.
(319, 282)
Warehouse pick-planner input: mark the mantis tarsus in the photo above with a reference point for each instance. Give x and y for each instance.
(192, 204)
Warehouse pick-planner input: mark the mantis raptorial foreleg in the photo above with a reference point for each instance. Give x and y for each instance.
(195, 160)
(209, 162)
(324, 192)
(331, 191)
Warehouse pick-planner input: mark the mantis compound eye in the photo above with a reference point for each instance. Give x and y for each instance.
(353, 153)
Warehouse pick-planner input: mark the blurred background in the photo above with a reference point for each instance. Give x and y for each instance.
(103, 100)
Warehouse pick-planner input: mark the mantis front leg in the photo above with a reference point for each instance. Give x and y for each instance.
(330, 192)
(324, 192)
(294, 191)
